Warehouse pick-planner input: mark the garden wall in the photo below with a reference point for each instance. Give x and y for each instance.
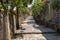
(50, 18)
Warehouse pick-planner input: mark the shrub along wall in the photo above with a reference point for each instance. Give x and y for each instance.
(49, 16)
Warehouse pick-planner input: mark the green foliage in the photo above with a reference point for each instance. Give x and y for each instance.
(39, 6)
(6, 5)
(56, 4)
(0, 6)
(19, 4)
(25, 2)
(24, 9)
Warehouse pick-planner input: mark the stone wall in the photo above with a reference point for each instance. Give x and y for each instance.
(49, 18)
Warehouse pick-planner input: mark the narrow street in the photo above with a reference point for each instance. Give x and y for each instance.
(33, 31)
(29, 19)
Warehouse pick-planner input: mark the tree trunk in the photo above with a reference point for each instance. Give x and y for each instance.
(1, 26)
(6, 29)
(14, 17)
(6, 34)
(11, 20)
(17, 19)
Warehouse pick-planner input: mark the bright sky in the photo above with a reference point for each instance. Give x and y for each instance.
(30, 5)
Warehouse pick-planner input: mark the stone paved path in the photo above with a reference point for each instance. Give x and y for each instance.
(30, 26)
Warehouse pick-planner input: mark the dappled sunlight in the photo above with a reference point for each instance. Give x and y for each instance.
(34, 31)
(29, 19)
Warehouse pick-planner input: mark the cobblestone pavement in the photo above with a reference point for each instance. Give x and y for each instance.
(30, 26)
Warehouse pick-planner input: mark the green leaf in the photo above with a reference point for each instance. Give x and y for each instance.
(0, 6)
(5, 5)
